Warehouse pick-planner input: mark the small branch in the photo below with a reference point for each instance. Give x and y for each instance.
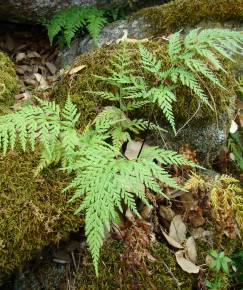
(176, 282)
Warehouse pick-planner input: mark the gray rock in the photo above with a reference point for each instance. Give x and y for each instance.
(110, 34)
(206, 138)
(34, 10)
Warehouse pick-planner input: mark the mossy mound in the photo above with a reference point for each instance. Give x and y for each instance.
(180, 13)
(80, 86)
(8, 82)
(113, 276)
(33, 212)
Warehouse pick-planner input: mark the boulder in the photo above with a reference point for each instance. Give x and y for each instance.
(205, 131)
(158, 20)
(32, 11)
(35, 10)
(8, 82)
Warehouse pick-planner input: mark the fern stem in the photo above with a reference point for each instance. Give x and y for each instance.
(147, 130)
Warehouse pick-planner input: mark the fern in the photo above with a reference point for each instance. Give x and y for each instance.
(67, 22)
(105, 178)
(226, 197)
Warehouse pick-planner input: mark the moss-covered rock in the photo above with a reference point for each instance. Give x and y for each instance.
(8, 82)
(33, 212)
(114, 275)
(206, 132)
(180, 13)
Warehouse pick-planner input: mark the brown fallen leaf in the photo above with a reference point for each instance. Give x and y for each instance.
(33, 54)
(76, 69)
(166, 212)
(185, 264)
(178, 229)
(171, 241)
(20, 56)
(41, 80)
(191, 250)
(52, 68)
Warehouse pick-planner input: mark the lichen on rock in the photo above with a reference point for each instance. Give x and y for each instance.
(8, 82)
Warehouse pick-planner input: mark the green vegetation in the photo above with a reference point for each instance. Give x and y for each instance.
(8, 82)
(67, 22)
(177, 14)
(105, 179)
(220, 265)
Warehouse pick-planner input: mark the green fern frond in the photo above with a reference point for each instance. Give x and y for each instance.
(164, 97)
(30, 124)
(95, 22)
(175, 46)
(224, 41)
(109, 117)
(69, 21)
(104, 178)
(197, 66)
(149, 61)
(189, 80)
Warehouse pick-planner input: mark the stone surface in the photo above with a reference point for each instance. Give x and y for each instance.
(34, 10)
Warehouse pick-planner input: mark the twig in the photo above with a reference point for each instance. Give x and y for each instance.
(176, 282)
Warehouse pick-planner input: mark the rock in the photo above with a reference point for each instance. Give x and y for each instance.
(32, 11)
(206, 133)
(159, 20)
(33, 211)
(9, 83)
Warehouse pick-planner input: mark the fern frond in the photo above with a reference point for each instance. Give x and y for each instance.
(69, 21)
(189, 80)
(30, 124)
(95, 23)
(109, 117)
(197, 66)
(175, 46)
(104, 178)
(149, 61)
(224, 41)
(164, 97)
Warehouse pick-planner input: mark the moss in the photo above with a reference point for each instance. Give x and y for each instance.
(33, 212)
(8, 82)
(111, 277)
(180, 13)
(96, 62)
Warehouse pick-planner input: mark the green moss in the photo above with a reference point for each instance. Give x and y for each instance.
(8, 82)
(180, 13)
(111, 277)
(33, 212)
(96, 62)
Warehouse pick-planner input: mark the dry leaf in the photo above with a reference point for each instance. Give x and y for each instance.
(52, 68)
(178, 229)
(41, 80)
(133, 149)
(166, 212)
(233, 127)
(76, 69)
(172, 242)
(191, 250)
(33, 54)
(25, 96)
(20, 56)
(185, 264)
(188, 201)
